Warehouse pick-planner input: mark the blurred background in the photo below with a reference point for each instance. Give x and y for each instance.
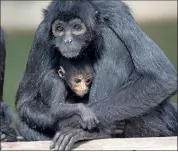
(20, 19)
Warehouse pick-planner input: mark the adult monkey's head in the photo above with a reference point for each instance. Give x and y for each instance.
(70, 37)
(72, 26)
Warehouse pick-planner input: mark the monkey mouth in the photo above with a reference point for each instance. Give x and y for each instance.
(82, 93)
(70, 53)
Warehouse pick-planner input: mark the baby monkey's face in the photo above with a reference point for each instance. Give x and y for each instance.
(78, 80)
(80, 84)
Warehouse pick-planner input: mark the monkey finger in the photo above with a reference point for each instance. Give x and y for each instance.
(122, 122)
(65, 141)
(93, 124)
(71, 143)
(3, 137)
(96, 121)
(59, 141)
(20, 138)
(84, 125)
(56, 148)
(117, 128)
(121, 127)
(89, 125)
(117, 132)
(5, 140)
(53, 143)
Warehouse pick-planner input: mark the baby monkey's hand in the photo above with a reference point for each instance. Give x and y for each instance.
(88, 118)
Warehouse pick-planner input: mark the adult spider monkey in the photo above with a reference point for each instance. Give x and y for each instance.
(133, 78)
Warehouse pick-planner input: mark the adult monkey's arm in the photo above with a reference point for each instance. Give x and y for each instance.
(29, 104)
(155, 79)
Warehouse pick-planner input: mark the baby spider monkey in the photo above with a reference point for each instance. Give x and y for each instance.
(75, 76)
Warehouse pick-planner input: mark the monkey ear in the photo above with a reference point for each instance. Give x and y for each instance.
(61, 72)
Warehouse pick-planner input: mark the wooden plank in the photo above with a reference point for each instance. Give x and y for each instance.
(159, 143)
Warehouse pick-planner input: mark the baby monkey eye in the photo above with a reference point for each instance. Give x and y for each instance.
(77, 80)
(77, 27)
(88, 81)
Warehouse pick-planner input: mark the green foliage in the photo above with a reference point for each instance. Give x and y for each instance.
(19, 44)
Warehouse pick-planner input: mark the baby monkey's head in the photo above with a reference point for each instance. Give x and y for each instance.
(78, 77)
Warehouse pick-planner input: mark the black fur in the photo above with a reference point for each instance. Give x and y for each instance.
(7, 133)
(133, 78)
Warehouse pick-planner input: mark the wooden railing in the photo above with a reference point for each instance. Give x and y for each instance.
(159, 143)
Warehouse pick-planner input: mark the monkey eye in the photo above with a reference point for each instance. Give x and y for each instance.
(77, 80)
(77, 27)
(59, 28)
(88, 81)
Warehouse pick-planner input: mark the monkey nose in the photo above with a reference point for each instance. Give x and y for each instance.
(84, 89)
(68, 41)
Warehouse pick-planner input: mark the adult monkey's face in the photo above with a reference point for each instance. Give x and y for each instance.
(70, 37)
